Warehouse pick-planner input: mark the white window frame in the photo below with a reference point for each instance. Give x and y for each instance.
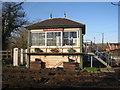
(32, 39)
(53, 31)
(77, 32)
(61, 32)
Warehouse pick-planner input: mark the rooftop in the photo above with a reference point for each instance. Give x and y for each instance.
(114, 43)
(57, 23)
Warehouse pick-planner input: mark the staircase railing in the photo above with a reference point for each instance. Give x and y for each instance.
(99, 59)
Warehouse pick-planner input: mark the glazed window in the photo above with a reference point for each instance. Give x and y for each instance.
(69, 38)
(38, 39)
(58, 38)
(53, 38)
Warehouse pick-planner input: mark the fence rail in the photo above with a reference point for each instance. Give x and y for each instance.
(5, 51)
(8, 54)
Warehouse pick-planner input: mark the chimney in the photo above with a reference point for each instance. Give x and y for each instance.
(50, 15)
(65, 14)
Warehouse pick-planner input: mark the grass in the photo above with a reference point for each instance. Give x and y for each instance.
(89, 69)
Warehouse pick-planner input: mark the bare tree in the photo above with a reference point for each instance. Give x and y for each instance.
(13, 17)
(19, 39)
(118, 4)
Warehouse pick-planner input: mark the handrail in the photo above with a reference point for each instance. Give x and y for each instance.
(99, 59)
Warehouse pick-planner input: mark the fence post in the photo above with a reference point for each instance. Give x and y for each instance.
(26, 57)
(7, 54)
(15, 57)
(11, 54)
(21, 57)
(91, 61)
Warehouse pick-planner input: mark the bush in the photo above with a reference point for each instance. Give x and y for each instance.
(71, 50)
(37, 50)
(54, 50)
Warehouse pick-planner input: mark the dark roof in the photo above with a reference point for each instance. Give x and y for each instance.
(115, 50)
(114, 43)
(57, 23)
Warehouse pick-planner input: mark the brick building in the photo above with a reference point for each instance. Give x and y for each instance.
(113, 46)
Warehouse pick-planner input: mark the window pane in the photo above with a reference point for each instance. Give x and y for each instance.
(73, 34)
(53, 38)
(66, 37)
(50, 35)
(58, 38)
(41, 39)
(38, 39)
(65, 34)
(34, 39)
(70, 38)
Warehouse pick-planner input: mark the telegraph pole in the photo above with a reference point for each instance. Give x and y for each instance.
(102, 38)
(94, 40)
(118, 4)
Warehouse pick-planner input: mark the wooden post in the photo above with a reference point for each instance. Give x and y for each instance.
(15, 57)
(21, 57)
(26, 57)
(7, 54)
(62, 49)
(28, 51)
(91, 61)
(46, 49)
(11, 54)
(81, 57)
(62, 38)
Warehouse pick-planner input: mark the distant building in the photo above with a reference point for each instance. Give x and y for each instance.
(61, 33)
(114, 49)
(113, 46)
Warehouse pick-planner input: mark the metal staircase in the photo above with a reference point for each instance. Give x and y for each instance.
(99, 59)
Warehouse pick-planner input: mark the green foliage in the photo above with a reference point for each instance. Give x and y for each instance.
(71, 50)
(89, 69)
(37, 50)
(54, 50)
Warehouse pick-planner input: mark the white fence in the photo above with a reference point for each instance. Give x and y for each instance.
(19, 58)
